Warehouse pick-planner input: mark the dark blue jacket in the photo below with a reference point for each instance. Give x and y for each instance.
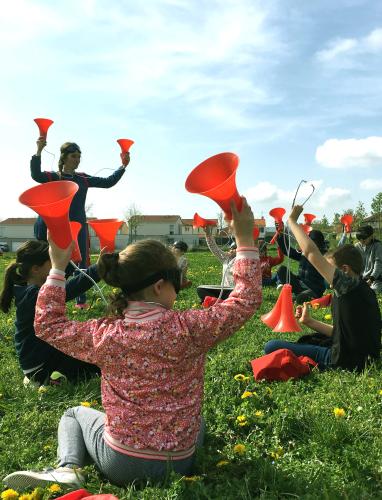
(84, 181)
(31, 351)
(307, 273)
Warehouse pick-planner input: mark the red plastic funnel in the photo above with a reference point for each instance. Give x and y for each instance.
(52, 201)
(287, 321)
(201, 222)
(75, 228)
(125, 144)
(309, 218)
(306, 228)
(323, 301)
(256, 232)
(43, 125)
(272, 318)
(347, 219)
(216, 179)
(277, 213)
(106, 230)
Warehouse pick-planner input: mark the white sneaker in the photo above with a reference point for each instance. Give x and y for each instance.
(22, 480)
(280, 285)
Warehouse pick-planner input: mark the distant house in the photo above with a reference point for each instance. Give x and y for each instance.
(16, 230)
(375, 221)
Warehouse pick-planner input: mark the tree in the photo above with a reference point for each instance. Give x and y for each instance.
(360, 213)
(133, 219)
(322, 224)
(336, 219)
(376, 208)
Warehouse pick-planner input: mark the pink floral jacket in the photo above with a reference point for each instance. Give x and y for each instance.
(152, 359)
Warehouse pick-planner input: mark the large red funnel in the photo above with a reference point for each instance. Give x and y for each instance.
(287, 321)
(75, 228)
(272, 318)
(323, 301)
(309, 218)
(307, 228)
(125, 145)
(52, 201)
(106, 230)
(347, 219)
(277, 213)
(201, 222)
(216, 179)
(43, 125)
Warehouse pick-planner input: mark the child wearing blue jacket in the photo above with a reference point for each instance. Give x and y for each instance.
(68, 163)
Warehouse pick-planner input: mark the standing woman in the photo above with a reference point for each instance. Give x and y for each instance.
(68, 163)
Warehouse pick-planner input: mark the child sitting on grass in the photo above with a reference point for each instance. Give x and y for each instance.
(224, 257)
(356, 329)
(267, 262)
(22, 282)
(151, 358)
(179, 248)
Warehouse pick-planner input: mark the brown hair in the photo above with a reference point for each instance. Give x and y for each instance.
(137, 262)
(65, 150)
(31, 253)
(349, 255)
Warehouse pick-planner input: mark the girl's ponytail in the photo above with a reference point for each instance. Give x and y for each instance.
(11, 278)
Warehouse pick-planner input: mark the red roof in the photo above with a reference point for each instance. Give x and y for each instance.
(18, 221)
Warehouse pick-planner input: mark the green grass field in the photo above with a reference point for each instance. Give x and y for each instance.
(293, 444)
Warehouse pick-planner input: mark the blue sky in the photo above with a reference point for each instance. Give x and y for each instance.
(293, 88)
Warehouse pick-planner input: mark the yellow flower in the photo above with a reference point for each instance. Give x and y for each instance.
(268, 390)
(243, 424)
(85, 403)
(339, 412)
(380, 392)
(9, 494)
(222, 463)
(54, 488)
(241, 378)
(259, 413)
(25, 497)
(240, 449)
(192, 478)
(9, 321)
(246, 394)
(241, 418)
(47, 447)
(277, 453)
(42, 389)
(36, 494)
(328, 317)
(115, 290)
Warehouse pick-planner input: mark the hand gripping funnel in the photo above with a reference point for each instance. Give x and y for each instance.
(106, 230)
(309, 218)
(287, 321)
(75, 228)
(347, 219)
(43, 125)
(277, 213)
(201, 222)
(216, 179)
(52, 201)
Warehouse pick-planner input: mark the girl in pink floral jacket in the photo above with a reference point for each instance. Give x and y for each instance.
(152, 360)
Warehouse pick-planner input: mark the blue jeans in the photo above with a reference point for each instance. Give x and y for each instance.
(321, 355)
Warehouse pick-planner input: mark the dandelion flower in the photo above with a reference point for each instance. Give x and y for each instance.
(277, 453)
(241, 418)
(380, 392)
(9, 321)
(240, 449)
(243, 424)
(37, 494)
(246, 394)
(339, 412)
(328, 317)
(25, 497)
(115, 290)
(85, 403)
(222, 463)
(241, 378)
(259, 413)
(54, 488)
(42, 389)
(47, 447)
(9, 494)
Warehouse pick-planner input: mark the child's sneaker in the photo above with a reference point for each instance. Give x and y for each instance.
(279, 286)
(22, 480)
(57, 378)
(82, 306)
(29, 383)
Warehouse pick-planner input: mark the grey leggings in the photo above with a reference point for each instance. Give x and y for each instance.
(80, 442)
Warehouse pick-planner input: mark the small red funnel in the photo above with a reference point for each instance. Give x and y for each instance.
(287, 321)
(277, 214)
(125, 145)
(323, 301)
(346, 220)
(43, 125)
(307, 228)
(201, 222)
(106, 230)
(309, 218)
(272, 318)
(75, 228)
(216, 179)
(52, 201)
(256, 232)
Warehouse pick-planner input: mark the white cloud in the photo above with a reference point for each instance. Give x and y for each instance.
(333, 195)
(268, 192)
(345, 153)
(371, 184)
(340, 47)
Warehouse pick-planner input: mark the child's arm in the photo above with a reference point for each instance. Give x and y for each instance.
(308, 247)
(80, 284)
(105, 182)
(39, 176)
(376, 272)
(292, 253)
(211, 243)
(302, 313)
